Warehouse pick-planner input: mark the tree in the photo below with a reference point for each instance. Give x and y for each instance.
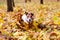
(9, 5)
(13, 3)
(27, 0)
(41, 1)
(57, 0)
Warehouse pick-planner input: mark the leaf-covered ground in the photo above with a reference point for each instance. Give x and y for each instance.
(48, 14)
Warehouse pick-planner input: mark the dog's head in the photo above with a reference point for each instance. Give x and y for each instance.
(29, 16)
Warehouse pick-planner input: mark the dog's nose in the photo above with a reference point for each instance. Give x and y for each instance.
(29, 20)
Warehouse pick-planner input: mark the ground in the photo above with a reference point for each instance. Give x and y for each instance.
(48, 13)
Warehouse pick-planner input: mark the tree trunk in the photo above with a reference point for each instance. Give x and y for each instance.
(41, 1)
(9, 6)
(57, 0)
(13, 3)
(27, 0)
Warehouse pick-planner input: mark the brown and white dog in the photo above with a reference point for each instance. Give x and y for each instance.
(27, 17)
(24, 20)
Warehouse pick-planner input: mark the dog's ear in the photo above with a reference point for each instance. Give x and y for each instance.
(26, 13)
(32, 14)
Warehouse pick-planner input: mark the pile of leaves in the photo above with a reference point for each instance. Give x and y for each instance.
(48, 14)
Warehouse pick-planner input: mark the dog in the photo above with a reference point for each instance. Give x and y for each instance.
(24, 21)
(28, 19)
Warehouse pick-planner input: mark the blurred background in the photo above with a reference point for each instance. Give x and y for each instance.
(23, 1)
